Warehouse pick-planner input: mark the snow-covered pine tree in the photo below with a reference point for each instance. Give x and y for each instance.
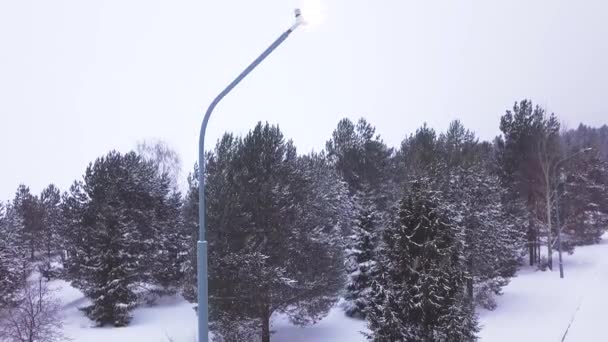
(189, 227)
(527, 146)
(230, 272)
(273, 226)
(385, 313)
(493, 238)
(583, 201)
(50, 202)
(28, 208)
(361, 264)
(476, 197)
(169, 258)
(334, 206)
(111, 269)
(417, 156)
(117, 212)
(172, 240)
(586, 136)
(74, 232)
(13, 256)
(420, 292)
(364, 162)
(110, 262)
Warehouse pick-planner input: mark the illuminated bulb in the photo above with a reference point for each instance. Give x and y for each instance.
(313, 13)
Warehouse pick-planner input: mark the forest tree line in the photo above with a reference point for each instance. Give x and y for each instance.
(410, 238)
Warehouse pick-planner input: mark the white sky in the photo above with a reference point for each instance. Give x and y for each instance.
(78, 78)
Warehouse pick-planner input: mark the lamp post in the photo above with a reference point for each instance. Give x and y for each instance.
(203, 295)
(559, 231)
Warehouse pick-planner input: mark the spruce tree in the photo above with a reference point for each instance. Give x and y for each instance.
(420, 293)
(361, 263)
(364, 162)
(480, 205)
(493, 237)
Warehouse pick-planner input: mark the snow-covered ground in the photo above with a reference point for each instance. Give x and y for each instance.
(536, 306)
(336, 327)
(539, 306)
(171, 319)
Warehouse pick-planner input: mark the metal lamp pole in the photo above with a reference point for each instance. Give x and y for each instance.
(203, 300)
(559, 230)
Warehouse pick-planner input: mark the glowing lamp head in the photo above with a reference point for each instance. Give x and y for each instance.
(299, 18)
(311, 13)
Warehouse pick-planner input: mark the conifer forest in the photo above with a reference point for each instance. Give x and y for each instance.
(410, 240)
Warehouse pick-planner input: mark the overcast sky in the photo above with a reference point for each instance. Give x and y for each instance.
(78, 78)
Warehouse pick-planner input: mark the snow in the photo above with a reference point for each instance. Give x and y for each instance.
(170, 319)
(173, 319)
(535, 306)
(336, 327)
(539, 306)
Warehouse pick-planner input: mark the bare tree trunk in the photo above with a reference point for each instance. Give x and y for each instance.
(48, 249)
(531, 235)
(538, 245)
(549, 228)
(266, 325)
(470, 279)
(531, 247)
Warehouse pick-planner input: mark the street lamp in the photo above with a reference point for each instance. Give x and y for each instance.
(559, 231)
(203, 299)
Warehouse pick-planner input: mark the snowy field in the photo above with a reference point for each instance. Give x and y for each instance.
(536, 306)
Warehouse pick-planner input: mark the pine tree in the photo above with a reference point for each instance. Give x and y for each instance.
(420, 293)
(50, 203)
(29, 209)
(113, 268)
(493, 238)
(418, 155)
(190, 227)
(274, 225)
(169, 260)
(583, 201)
(170, 256)
(364, 162)
(362, 159)
(13, 257)
(118, 211)
(361, 262)
(74, 232)
(526, 151)
(479, 203)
